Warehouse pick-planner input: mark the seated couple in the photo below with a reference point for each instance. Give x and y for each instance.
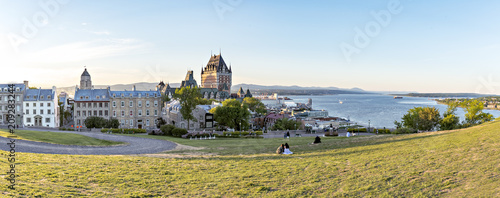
(284, 149)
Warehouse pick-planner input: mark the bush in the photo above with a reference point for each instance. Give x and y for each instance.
(178, 132)
(356, 130)
(244, 133)
(259, 133)
(382, 131)
(404, 131)
(167, 129)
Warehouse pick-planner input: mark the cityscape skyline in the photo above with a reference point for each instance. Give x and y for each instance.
(384, 45)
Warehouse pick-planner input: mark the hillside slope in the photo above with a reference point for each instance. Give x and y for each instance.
(461, 163)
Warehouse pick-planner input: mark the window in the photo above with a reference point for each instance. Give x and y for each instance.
(78, 122)
(95, 105)
(156, 95)
(95, 113)
(89, 105)
(48, 111)
(97, 97)
(122, 122)
(89, 113)
(48, 97)
(17, 89)
(147, 112)
(41, 111)
(28, 120)
(27, 104)
(139, 95)
(123, 103)
(81, 97)
(156, 103)
(47, 120)
(41, 97)
(114, 95)
(84, 113)
(78, 113)
(139, 103)
(17, 98)
(131, 113)
(34, 111)
(114, 103)
(130, 95)
(147, 95)
(139, 113)
(86, 97)
(48, 104)
(18, 108)
(100, 113)
(131, 122)
(156, 112)
(27, 111)
(100, 104)
(147, 122)
(131, 104)
(78, 105)
(84, 105)
(123, 113)
(147, 103)
(106, 104)
(114, 113)
(41, 104)
(105, 112)
(34, 104)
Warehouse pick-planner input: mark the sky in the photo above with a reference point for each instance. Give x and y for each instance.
(375, 45)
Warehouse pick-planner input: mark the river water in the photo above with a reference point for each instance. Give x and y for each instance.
(380, 110)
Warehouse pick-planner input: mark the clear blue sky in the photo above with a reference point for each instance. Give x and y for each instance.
(427, 46)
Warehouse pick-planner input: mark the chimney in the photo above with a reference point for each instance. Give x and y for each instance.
(133, 88)
(26, 84)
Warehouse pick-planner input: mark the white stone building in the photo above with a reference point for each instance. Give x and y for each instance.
(41, 108)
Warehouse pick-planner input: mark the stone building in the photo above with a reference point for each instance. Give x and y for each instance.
(217, 75)
(19, 90)
(89, 101)
(136, 109)
(204, 119)
(41, 108)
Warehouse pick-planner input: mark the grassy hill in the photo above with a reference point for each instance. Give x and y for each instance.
(461, 163)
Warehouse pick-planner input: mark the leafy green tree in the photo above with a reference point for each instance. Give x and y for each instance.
(255, 105)
(164, 99)
(188, 98)
(450, 121)
(474, 114)
(286, 124)
(204, 101)
(95, 122)
(422, 118)
(232, 113)
(112, 123)
(160, 122)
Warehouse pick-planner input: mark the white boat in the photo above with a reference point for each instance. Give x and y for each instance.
(340, 101)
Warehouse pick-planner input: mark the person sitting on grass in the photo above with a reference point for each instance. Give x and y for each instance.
(280, 149)
(287, 149)
(317, 140)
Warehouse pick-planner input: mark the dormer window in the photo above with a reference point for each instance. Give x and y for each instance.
(41, 97)
(97, 97)
(48, 97)
(86, 97)
(130, 95)
(27, 97)
(122, 95)
(17, 89)
(147, 95)
(139, 95)
(103, 96)
(81, 97)
(114, 95)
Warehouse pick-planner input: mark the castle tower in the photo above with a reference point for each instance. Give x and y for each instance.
(85, 81)
(217, 75)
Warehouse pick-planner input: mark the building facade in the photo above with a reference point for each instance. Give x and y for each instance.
(41, 108)
(18, 92)
(89, 101)
(217, 75)
(136, 109)
(204, 119)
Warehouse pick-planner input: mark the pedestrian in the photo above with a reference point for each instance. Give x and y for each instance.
(317, 140)
(284, 135)
(287, 134)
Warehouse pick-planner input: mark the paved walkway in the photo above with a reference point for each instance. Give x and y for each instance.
(135, 145)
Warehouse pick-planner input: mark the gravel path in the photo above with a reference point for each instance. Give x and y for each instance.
(135, 145)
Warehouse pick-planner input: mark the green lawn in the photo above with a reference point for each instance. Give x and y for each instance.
(462, 163)
(58, 138)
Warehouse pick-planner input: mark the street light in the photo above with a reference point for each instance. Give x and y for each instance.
(368, 126)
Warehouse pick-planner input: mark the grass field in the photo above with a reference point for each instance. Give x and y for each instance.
(59, 138)
(462, 163)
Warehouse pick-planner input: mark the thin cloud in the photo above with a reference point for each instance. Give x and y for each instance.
(80, 51)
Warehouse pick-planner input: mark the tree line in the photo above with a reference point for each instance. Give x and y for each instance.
(429, 118)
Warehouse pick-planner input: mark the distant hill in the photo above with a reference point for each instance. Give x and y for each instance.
(256, 89)
(444, 95)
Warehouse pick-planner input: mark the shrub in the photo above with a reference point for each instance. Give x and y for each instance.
(244, 133)
(178, 132)
(167, 129)
(259, 132)
(404, 131)
(236, 133)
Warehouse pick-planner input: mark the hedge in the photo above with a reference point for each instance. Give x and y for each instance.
(104, 130)
(382, 131)
(178, 132)
(356, 130)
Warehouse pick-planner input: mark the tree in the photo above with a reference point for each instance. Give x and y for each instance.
(286, 124)
(232, 114)
(95, 122)
(450, 121)
(61, 115)
(204, 101)
(255, 105)
(164, 99)
(112, 123)
(160, 122)
(422, 118)
(188, 98)
(474, 114)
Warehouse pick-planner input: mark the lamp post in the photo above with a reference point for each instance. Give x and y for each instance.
(368, 126)
(240, 126)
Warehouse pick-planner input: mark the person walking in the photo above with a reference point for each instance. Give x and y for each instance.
(287, 134)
